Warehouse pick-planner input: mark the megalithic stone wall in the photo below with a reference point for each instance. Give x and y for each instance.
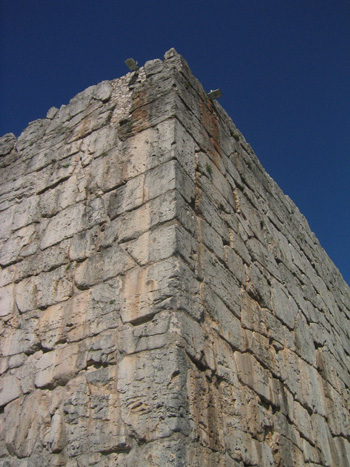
(162, 302)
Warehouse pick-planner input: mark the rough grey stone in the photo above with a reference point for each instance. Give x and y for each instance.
(162, 302)
(103, 91)
(7, 143)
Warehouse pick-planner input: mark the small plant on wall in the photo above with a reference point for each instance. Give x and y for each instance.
(235, 135)
(209, 169)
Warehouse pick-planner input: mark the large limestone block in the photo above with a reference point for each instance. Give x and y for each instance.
(210, 213)
(25, 295)
(53, 287)
(254, 375)
(225, 323)
(58, 366)
(10, 389)
(283, 305)
(26, 213)
(109, 263)
(72, 220)
(130, 225)
(38, 261)
(127, 197)
(63, 225)
(7, 300)
(65, 194)
(155, 245)
(5, 223)
(221, 280)
(90, 399)
(51, 326)
(107, 171)
(57, 438)
(84, 244)
(27, 425)
(204, 414)
(148, 290)
(152, 404)
(149, 335)
(11, 249)
(85, 314)
(7, 143)
(21, 339)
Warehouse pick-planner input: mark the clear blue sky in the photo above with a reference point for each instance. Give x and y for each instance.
(283, 67)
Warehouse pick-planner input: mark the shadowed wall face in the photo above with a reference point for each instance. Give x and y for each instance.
(162, 301)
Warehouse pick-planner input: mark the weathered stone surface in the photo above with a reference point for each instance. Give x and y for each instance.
(7, 143)
(11, 249)
(149, 289)
(108, 263)
(161, 404)
(10, 389)
(7, 302)
(162, 302)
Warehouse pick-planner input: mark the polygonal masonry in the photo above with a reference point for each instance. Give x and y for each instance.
(162, 301)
